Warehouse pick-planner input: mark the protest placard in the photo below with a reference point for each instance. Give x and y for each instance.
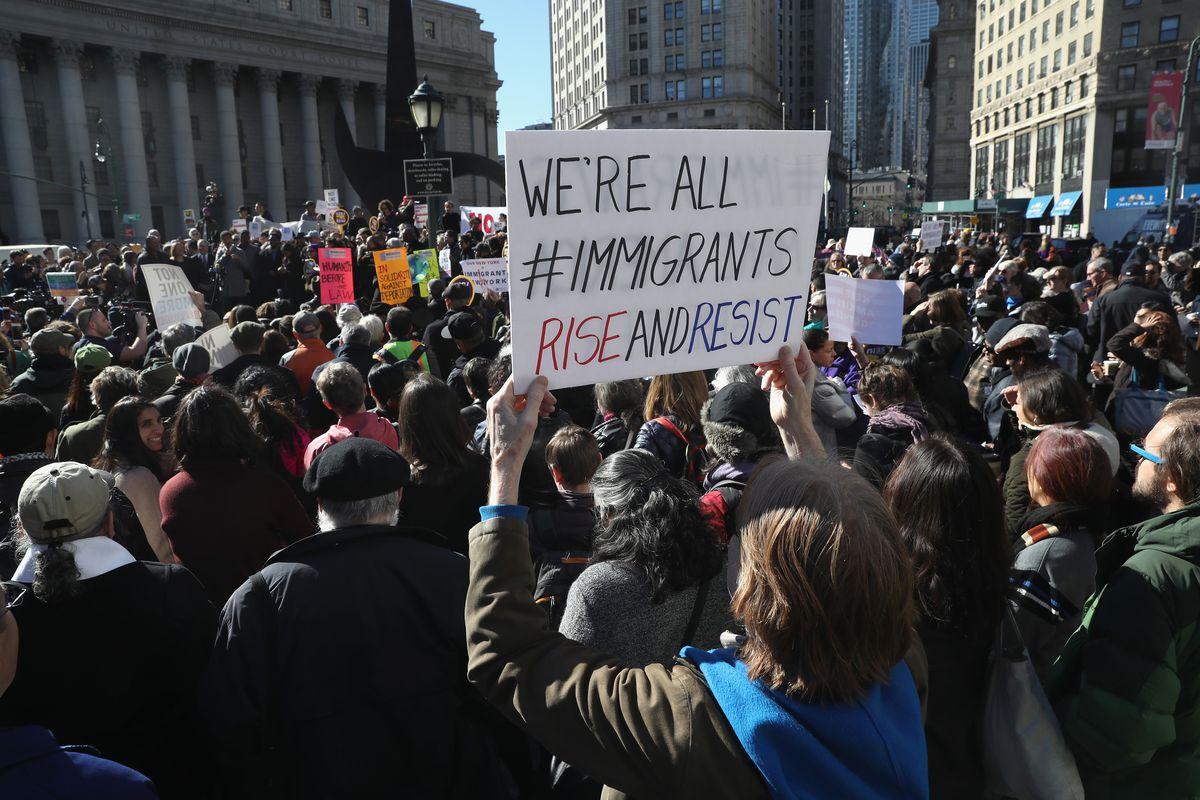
(287, 232)
(325, 208)
(238, 225)
(392, 273)
(869, 310)
(423, 266)
(488, 217)
(931, 235)
(256, 228)
(62, 284)
(860, 241)
(331, 197)
(421, 215)
(170, 296)
(639, 252)
(487, 273)
(444, 263)
(189, 218)
(337, 274)
(219, 345)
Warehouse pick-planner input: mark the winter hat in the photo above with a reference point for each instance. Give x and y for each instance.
(1025, 336)
(737, 423)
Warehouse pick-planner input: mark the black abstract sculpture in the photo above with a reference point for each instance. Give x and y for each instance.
(378, 174)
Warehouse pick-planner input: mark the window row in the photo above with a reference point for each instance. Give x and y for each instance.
(710, 86)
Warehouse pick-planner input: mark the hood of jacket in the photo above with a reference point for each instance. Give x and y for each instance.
(874, 747)
(49, 372)
(1176, 534)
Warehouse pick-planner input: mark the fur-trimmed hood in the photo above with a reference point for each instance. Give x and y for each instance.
(733, 443)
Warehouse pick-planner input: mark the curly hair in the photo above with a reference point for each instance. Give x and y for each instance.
(652, 522)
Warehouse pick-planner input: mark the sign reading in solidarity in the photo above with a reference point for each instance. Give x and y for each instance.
(391, 271)
(868, 310)
(337, 274)
(170, 296)
(487, 273)
(643, 252)
(488, 217)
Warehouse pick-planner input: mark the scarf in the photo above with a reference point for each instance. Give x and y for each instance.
(910, 416)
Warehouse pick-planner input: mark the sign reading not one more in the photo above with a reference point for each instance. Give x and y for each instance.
(637, 253)
(426, 176)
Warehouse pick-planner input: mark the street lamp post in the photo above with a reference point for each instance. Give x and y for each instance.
(104, 156)
(1181, 138)
(83, 192)
(426, 106)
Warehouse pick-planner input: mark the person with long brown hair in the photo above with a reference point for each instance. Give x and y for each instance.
(947, 503)
(819, 702)
(672, 431)
(1151, 349)
(449, 479)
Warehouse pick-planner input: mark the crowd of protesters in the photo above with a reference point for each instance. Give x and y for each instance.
(248, 579)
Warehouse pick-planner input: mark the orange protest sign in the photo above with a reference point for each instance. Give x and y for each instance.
(395, 279)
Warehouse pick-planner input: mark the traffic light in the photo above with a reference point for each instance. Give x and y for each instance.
(908, 183)
(864, 204)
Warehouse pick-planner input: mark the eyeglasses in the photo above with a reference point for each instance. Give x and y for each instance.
(1143, 453)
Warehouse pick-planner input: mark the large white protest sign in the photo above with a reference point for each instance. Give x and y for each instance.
(331, 198)
(488, 217)
(487, 273)
(931, 235)
(868, 310)
(639, 252)
(220, 347)
(860, 241)
(170, 296)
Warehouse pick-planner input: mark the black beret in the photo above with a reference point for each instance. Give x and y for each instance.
(356, 469)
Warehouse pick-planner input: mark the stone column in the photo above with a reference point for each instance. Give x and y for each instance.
(310, 128)
(380, 115)
(131, 163)
(183, 147)
(225, 75)
(268, 99)
(346, 91)
(18, 150)
(79, 148)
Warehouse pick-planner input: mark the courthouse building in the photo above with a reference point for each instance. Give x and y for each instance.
(240, 92)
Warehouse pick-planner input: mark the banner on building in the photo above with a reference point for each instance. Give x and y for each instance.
(337, 274)
(171, 296)
(391, 271)
(640, 252)
(1162, 116)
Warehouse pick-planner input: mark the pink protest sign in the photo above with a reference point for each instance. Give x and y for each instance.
(337, 274)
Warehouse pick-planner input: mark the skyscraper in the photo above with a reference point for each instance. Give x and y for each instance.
(867, 86)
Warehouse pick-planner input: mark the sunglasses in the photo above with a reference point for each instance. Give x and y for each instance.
(1143, 453)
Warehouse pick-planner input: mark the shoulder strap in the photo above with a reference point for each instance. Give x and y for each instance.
(697, 610)
(629, 439)
(672, 427)
(416, 353)
(730, 483)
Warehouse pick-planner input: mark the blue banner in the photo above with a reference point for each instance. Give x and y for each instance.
(1038, 205)
(1066, 204)
(1144, 196)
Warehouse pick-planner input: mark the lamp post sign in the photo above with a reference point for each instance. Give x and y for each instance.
(428, 176)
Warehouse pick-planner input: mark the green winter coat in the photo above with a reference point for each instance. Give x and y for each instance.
(1127, 686)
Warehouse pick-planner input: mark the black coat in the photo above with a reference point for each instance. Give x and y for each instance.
(1113, 311)
(118, 667)
(340, 671)
(227, 375)
(168, 402)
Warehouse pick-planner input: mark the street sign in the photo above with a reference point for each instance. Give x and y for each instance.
(127, 218)
(426, 176)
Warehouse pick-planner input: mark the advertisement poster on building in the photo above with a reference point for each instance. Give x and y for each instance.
(1162, 116)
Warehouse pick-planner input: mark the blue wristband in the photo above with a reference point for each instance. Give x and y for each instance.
(491, 512)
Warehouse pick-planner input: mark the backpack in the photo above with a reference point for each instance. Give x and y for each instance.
(556, 571)
(718, 505)
(694, 458)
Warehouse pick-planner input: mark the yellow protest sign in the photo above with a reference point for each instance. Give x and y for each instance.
(395, 280)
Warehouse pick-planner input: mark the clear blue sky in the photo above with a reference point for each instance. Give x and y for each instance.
(522, 29)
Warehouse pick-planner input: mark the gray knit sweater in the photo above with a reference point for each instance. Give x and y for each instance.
(609, 608)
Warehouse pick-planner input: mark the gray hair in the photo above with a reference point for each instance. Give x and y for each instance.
(355, 333)
(110, 385)
(742, 373)
(375, 325)
(177, 336)
(381, 510)
(341, 386)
